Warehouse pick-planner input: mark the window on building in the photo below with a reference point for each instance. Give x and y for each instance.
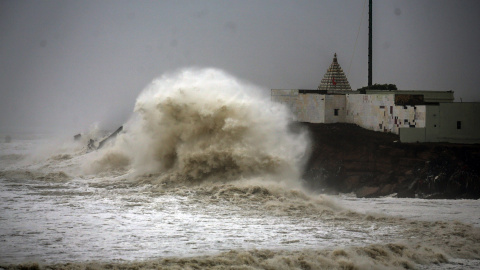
(459, 124)
(335, 111)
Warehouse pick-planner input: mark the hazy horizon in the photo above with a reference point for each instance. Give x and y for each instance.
(69, 64)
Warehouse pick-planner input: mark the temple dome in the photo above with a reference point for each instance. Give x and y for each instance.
(334, 79)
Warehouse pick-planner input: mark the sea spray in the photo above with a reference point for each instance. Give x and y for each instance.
(73, 222)
(204, 124)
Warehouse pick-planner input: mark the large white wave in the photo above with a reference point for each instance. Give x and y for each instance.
(200, 124)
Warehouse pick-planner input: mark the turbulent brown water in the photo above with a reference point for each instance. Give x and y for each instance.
(206, 175)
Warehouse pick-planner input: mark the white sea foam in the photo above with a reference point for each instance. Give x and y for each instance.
(198, 125)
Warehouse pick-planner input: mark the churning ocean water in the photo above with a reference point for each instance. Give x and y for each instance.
(206, 175)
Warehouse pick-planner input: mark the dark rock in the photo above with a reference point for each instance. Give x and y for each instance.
(367, 192)
(351, 181)
(406, 193)
(347, 158)
(386, 190)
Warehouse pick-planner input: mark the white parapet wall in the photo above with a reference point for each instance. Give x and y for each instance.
(306, 107)
(335, 108)
(378, 112)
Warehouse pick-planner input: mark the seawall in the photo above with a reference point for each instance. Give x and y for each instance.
(346, 158)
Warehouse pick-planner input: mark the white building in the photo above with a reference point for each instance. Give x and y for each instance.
(423, 116)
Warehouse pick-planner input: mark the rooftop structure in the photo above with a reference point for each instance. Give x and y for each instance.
(335, 79)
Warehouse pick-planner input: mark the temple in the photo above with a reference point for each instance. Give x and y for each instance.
(416, 116)
(335, 78)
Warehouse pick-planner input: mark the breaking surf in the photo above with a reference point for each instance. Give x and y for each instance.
(204, 175)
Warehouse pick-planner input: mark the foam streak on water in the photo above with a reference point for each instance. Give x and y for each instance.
(73, 221)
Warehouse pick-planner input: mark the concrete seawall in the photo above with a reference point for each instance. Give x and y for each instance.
(346, 158)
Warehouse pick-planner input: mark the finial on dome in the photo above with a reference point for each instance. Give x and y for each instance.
(335, 57)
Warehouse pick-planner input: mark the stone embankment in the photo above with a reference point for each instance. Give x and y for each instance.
(346, 158)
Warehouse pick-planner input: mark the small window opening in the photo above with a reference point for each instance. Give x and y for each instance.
(335, 111)
(459, 124)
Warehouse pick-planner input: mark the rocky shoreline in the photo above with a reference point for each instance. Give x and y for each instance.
(346, 158)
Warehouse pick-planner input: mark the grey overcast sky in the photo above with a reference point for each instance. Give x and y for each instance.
(67, 64)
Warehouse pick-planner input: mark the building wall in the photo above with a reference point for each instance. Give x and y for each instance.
(447, 122)
(429, 96)
(335, 108)
(459, 122)
(306, 107)
(432, 126)
(313, 108)
(378, 112)
(443, 122)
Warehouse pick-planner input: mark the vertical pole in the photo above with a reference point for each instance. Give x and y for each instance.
(369, 43)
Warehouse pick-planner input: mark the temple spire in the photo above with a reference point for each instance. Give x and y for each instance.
(334, 79)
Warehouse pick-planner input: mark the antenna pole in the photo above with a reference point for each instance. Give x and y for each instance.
(369, 43)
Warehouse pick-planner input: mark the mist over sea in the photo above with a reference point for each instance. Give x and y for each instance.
(206, 174)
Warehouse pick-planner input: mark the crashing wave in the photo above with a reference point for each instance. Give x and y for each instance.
(199, 125)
